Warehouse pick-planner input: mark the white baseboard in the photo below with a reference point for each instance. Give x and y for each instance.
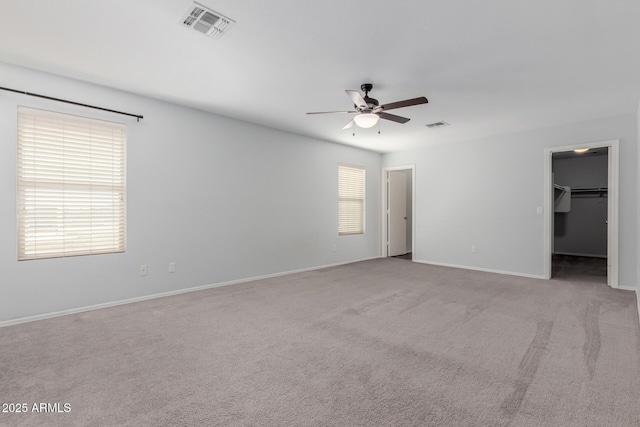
(170, 293)
(486, 270)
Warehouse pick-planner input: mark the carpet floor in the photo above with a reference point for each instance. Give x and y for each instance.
(378, 343)
(579, 268)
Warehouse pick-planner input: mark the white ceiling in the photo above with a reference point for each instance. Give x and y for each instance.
(487, 67)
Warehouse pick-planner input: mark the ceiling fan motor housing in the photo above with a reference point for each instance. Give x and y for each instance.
(371, 102)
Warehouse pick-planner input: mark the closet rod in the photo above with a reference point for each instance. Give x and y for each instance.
(590, 190)
(137, 116)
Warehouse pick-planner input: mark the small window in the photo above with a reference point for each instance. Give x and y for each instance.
(71, 185)
(350, 200)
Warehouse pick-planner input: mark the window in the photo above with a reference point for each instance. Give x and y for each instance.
(71, 185)
(350, 200)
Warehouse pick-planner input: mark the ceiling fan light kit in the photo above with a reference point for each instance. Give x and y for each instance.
(370, 110)
(366, 120)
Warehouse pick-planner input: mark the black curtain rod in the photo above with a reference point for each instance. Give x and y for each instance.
(137, 116)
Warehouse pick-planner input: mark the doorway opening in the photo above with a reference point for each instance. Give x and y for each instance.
(580, 183)
(398, 237)
(581, 213)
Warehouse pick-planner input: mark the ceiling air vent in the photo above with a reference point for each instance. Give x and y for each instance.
(206, 21)
(437, 124)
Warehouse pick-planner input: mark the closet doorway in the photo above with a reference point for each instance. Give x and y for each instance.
(582, 213)
(398, 212)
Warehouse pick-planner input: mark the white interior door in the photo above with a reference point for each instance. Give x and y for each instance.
(397, 218)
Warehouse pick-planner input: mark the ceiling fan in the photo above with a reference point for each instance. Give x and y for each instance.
(370, 110)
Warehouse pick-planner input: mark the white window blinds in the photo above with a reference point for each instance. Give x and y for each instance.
(71, 185)
(350, 200)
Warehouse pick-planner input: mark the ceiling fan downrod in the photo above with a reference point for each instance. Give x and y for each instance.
(366, 88)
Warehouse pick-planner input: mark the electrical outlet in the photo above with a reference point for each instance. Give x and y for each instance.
(474, 249)
(335, 248)
(539, 210)
(172, 267)
(143, 270)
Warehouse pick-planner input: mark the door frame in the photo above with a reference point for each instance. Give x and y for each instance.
(384, 242)
(613, 179)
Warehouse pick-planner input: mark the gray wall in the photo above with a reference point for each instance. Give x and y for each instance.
(582, 230)
(485, 193)
(223, 199)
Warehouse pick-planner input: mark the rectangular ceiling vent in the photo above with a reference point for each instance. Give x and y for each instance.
(437, 124)
(206, 21)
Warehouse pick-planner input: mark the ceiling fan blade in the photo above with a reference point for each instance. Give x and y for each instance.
(349, 125)
(393, 117)
(405, 103)
(357, 99)
(331, 112)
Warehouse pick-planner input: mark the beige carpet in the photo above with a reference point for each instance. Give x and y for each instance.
(378, 343)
